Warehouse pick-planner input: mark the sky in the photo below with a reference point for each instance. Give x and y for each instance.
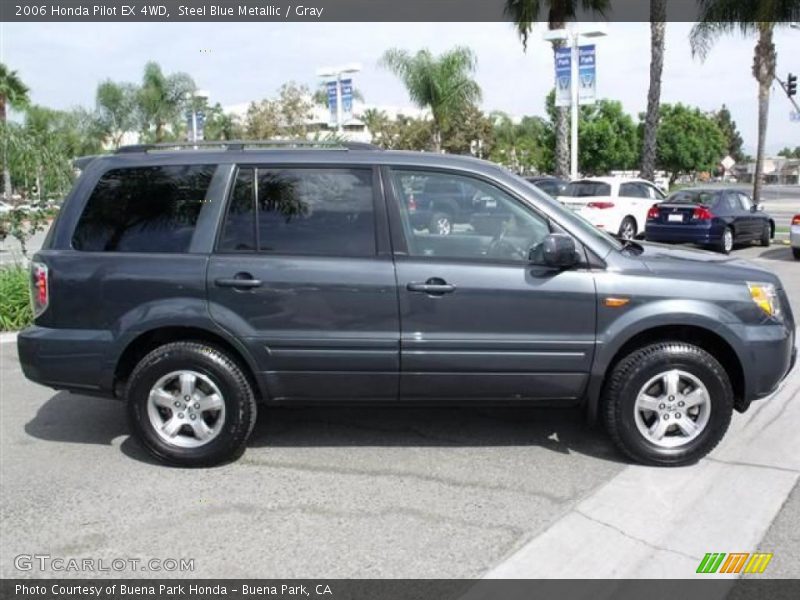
(62, 63)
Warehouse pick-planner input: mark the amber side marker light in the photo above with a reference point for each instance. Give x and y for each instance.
(616, 302)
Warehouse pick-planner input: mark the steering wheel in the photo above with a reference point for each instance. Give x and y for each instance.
(500, 247)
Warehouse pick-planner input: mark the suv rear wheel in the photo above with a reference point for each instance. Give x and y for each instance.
(668, 404)
(191, 405)
(441, 224)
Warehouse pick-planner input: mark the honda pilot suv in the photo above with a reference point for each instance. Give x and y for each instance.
(198, 284)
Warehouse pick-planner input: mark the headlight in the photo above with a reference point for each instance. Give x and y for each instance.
(766, 298)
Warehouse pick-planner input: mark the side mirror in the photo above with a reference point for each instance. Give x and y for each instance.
(557, 251)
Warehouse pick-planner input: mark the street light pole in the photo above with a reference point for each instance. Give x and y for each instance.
(572, 38)
(339, 124)
(573, 168)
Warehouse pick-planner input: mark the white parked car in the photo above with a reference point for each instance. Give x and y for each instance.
(5, 207)
(617, 205)
(794, 236)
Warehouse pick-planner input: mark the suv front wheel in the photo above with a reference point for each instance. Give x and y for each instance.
(668, 404)
(191, 405)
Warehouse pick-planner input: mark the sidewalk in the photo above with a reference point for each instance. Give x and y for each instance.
(659, 523)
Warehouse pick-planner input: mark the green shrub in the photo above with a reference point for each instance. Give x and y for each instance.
(15, 304)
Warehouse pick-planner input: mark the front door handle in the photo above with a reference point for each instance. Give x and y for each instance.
(240, 281)
(435, 286)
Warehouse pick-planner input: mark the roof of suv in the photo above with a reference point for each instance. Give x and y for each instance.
(282, 152)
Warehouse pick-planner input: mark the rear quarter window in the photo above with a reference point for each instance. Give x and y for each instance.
(144, 209)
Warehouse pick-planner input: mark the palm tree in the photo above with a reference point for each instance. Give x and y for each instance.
(524, 13)
(658, 26)
(750, 17)
(162, 97)
(13, 93)
(444, 83)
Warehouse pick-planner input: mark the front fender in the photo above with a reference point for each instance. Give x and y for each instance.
(614, 333)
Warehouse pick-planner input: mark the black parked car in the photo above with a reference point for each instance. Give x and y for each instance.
(719, 218)
(197, 285)
(552, 186)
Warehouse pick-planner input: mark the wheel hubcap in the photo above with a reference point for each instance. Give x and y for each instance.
(443, 226)
(672, 408)
(728, 240)
(186, 409)
(627, 230)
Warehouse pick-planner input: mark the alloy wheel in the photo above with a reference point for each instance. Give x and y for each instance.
(672, 408)
(186, 409)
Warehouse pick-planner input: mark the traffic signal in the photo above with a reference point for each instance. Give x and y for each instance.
(791, 85)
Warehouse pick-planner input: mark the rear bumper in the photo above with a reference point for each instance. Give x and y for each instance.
(692, 234)
(794, 236)
(70, 359)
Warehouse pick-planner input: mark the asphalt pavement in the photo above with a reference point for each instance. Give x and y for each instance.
(371, 492)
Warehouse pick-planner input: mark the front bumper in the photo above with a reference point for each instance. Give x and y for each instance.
(770, 354)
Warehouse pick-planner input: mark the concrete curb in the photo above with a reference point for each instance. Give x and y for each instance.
(8, 337)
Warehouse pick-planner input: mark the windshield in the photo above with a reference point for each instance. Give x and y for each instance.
(572, 220)
(703, 197)
(580, 189)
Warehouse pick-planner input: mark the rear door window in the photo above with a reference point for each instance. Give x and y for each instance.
(326, 212)
(633, 190)
(144, 209)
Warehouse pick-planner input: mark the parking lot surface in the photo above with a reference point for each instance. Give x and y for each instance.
(411, 492)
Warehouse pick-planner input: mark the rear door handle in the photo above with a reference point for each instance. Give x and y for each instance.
(241, 281)
(434, 287)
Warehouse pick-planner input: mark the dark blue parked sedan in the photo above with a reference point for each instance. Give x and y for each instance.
(718, 218)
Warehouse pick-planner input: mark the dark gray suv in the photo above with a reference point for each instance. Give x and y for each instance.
(195, 284)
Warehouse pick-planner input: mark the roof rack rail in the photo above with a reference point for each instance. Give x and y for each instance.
(237, 145)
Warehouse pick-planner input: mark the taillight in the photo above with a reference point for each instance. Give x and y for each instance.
(796, 220)
(412, 203)
(40, 288)
(600, 205)
(653, 212)
(701, 213)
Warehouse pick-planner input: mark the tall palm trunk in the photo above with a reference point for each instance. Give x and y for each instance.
(6, 168)
(562, 126)
(658, 15)
(764, 72)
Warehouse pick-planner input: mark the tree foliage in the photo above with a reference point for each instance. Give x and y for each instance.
(285, 116)
(117, 110)
(444, 83)
(733, 139)
(688, 141)
(607, 138)
(161, 101)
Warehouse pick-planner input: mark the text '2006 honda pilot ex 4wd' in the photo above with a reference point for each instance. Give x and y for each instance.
(196, 284)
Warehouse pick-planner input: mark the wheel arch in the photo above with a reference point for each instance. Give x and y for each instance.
(698, 335)
(149, 340)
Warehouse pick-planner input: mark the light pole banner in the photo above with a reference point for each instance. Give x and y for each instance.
(331, 87)
(563, 57)
(347, 100)
(587, 74)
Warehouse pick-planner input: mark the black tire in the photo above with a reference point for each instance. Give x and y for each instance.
(627, 229)
(796, 253)
(723, 246)
(634, 371)
(766, 235)
(235, 389)
(441, 223)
